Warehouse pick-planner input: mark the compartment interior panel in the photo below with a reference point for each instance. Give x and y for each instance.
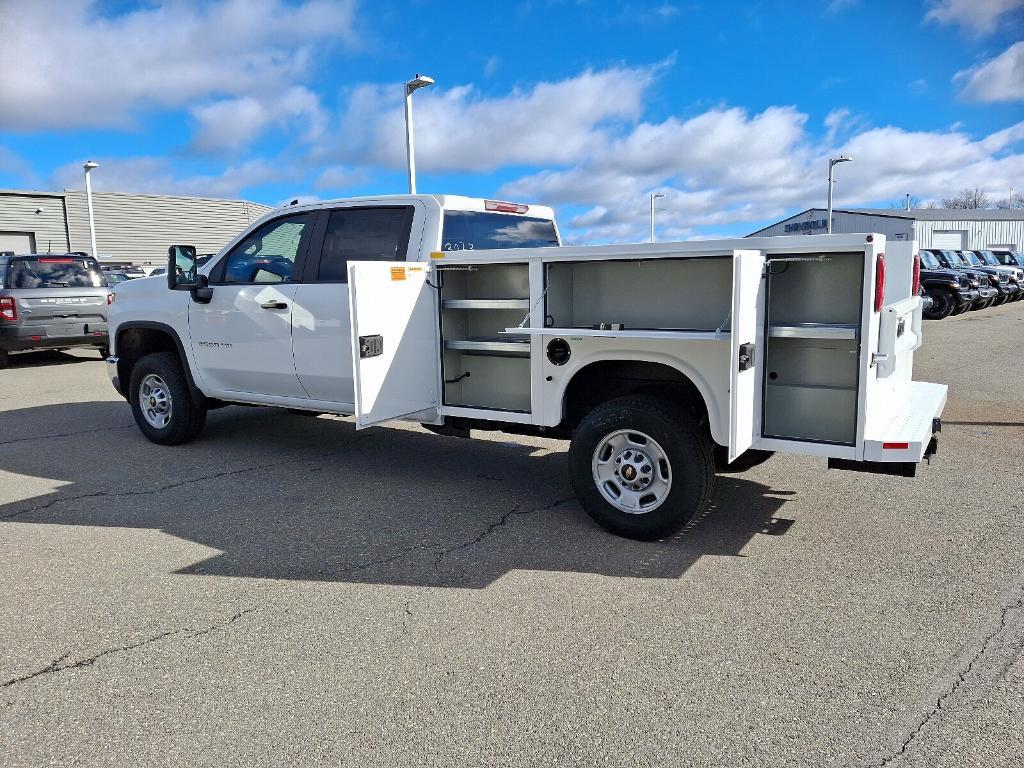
(677, 294)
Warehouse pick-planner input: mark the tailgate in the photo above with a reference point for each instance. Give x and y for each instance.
(48, 306)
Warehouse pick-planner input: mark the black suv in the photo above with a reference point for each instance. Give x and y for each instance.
(1007, 276)
(951, 291)
(988, 291)
(50, 301)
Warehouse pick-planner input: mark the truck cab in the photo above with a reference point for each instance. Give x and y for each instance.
(460, 313)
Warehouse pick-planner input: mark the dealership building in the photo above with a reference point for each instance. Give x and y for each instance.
(955, 229)
(129, 228)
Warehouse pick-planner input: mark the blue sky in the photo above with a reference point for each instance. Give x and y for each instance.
(730, 108)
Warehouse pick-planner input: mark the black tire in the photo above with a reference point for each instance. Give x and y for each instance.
(943, 304)
(746, 460)
(690, 465)
(187, 416)
(4, 358)
(964, 308)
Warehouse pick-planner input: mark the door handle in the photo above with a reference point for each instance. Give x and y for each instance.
(273, 305)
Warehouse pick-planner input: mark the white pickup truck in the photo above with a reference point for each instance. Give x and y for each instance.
(661, 362)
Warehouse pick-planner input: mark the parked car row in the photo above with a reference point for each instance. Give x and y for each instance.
(961, 281)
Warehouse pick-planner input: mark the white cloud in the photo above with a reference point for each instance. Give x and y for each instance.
(458, 129)
(231, 124)
(158, 175)
(727, 167)
(980, 17)
(998, 79)
(17, 168)
(339, 177)
(80, 67)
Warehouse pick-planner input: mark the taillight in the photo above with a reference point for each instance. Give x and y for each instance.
(917, 275)
(8, 308)
(879, 282)
(498, 205)
(110, 299)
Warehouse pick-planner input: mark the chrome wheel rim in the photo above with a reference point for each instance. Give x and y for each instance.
(155, 400)
(632, 471)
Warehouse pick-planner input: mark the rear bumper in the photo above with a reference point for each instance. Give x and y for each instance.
(18, 338)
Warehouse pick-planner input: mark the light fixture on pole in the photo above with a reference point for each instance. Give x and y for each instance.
(89, 165)
(653, 196)
(832, 163)
(420, 81)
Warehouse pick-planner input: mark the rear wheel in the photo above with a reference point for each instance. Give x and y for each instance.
(641, 467)
(162, 402)
(943, 304)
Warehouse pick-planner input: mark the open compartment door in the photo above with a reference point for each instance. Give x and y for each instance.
(747, 299)
(395, 360)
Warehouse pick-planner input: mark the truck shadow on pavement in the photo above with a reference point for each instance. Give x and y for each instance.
(286, 497)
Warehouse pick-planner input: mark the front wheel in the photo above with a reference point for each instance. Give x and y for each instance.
(162, 402)
(641, 467)
(943, 304)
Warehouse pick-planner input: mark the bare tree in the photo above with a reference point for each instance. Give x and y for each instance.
(901, 202)
(969, 199)
(1015, 203)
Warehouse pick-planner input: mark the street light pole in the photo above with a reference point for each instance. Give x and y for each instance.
(832, 162)
(653, 196)
(420, 81)
(88, 199)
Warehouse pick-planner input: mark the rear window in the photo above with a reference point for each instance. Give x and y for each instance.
(54, 272)
(471, 230)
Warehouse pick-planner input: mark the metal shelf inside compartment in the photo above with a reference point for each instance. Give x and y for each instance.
(813, 330)
(486, 303)
(510, 346)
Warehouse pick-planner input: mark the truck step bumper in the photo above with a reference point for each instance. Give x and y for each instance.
(908, 434)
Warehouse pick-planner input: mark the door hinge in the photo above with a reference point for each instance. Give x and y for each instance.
(371, 346)
(746, 360)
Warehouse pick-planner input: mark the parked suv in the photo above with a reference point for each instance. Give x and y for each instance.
(987, 290)
(1007, 276)
(951, 291)
(52, 302)
(1013, 269)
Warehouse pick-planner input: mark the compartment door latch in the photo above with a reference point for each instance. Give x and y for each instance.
(746, 360)
(371, 346)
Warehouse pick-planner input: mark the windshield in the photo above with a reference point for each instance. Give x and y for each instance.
(930, 261)
(953, 258)
(1018, 257)
(989, 258)
(55, 272)
(972, 258)
(470, 230)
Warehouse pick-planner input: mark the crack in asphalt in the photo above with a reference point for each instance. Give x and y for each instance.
(958, 682)
(57, 664)
(161, 489)
(5, 443)
(440, 554)
(502, 521)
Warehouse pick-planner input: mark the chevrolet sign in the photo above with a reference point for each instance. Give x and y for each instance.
(800, 226)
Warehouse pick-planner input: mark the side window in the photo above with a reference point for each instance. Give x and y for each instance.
(268, 254)
(363, 234)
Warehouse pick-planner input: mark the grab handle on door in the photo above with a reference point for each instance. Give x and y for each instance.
(274, 305)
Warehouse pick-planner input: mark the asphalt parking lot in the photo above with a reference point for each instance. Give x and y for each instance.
(289, 591)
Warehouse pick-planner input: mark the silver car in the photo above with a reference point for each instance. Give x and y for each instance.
(52, 301)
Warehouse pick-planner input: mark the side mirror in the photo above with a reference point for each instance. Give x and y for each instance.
(183, 274)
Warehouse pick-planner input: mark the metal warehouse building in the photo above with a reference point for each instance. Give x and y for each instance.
(931, 227)
(135, 228)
